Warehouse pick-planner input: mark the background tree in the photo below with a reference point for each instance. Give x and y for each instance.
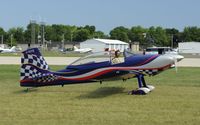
(2, 32)
(157, 37)
(138, 34)
(81, 35)
(100, 34)
(58, 32)
(16, 35)
(91, 30)
(173, 36)
(27, 33)
(11, 41)
(69, 32)
(120, 33)
(191, 34)
(49, 34)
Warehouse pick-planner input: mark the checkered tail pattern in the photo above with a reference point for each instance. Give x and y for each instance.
(34, 66)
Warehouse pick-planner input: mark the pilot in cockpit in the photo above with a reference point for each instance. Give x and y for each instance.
(115, 59)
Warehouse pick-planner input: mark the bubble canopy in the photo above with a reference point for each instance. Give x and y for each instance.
(94, 58)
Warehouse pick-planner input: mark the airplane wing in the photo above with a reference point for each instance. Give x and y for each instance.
(127, 74)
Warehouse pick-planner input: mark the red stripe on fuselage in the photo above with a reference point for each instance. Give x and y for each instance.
(101, 73)
(109, 70)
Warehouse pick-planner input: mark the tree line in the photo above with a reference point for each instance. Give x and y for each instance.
(156, 36)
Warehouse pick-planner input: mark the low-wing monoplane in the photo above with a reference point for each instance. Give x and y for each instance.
(11, 50)
(83, 50)
(96, 67)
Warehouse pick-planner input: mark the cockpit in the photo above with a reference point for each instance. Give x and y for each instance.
(107, 57)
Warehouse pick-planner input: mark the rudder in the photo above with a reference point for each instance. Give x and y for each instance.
(32, 64)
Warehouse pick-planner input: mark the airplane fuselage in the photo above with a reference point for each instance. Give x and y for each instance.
(95, 72)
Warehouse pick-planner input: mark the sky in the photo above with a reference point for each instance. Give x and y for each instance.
(103, 14)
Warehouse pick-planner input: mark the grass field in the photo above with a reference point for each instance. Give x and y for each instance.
(175, 101)
(49, 54)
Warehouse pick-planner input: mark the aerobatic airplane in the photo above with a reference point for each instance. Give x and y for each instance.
(97, 67)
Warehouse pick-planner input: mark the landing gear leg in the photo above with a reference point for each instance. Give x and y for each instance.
(29, 89)
(143, 87)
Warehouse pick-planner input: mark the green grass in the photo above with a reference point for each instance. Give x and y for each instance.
(49, 54)
(175, 101)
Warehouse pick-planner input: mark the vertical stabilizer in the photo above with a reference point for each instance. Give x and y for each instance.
(33, 64)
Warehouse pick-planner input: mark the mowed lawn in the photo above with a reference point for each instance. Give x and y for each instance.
(175, 101)
(49, 54)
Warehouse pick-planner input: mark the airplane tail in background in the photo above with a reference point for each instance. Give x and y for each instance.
(13, 48)
(33, 65)
(75, 48)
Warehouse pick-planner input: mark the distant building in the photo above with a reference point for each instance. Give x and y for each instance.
(3, 46)
(135, 46)
(104, 44)
(189, 47)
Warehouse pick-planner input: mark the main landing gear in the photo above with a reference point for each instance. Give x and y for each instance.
(29, 89)
(143, 88)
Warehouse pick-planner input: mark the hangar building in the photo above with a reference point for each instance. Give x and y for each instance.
(104, 44)
(189, 47)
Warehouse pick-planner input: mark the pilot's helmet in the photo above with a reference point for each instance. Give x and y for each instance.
(117, 53)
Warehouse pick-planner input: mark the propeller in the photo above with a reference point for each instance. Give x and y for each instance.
(175, 64)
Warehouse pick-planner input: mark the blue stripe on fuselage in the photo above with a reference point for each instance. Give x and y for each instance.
(82, 69)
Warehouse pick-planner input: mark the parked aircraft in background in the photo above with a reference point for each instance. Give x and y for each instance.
(160, 50)
(84, 50)
(96, 67)
(11, 50)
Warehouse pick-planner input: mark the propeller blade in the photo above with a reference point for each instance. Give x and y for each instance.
(175, 64)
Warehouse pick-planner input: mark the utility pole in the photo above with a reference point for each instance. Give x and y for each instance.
(2, 40)
(71, 36)
(63, 41)
(42, 24)
(39, 39)
(72, 33)
(33, 23)
(172, 42)
(11, 38)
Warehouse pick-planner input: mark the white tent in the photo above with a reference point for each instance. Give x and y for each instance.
(104, 44)
(189, 47)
